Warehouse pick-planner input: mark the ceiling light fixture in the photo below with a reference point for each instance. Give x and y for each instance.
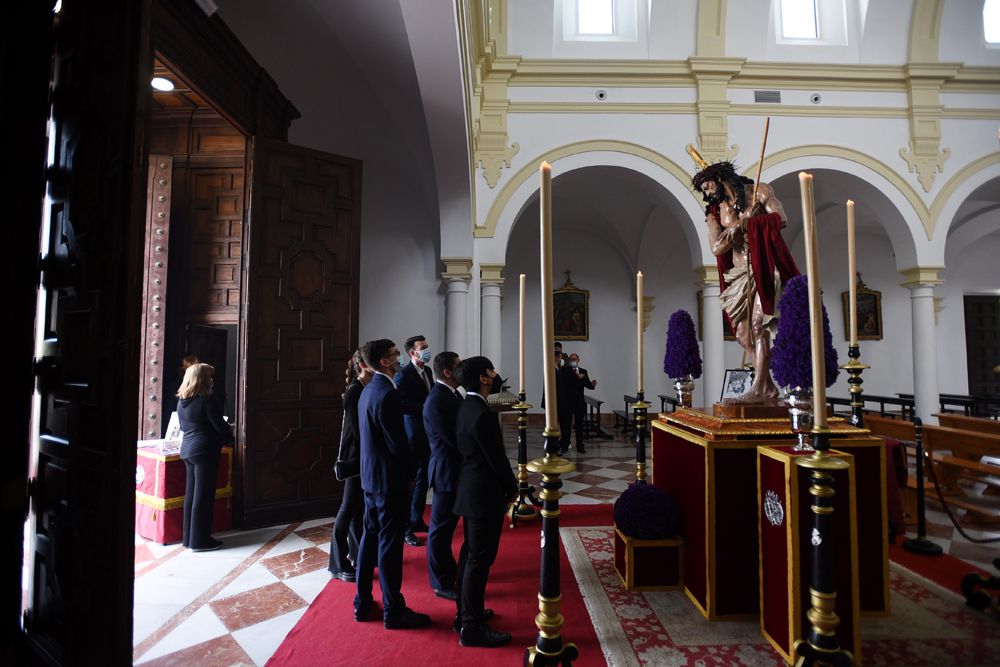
(161, 84)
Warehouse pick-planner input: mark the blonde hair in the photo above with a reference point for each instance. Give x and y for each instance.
(197, 381)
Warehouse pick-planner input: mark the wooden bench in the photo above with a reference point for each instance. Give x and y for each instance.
(977, 424)
(906, 406)
(666, 400)
(625, 419)
(834, 401)
(592, 421)
(956, 455)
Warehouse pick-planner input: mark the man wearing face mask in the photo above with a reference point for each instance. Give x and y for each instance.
(577, 380)
(415, 381)
(486, 484)
(386, 478)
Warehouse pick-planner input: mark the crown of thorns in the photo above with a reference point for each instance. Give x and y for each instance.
(720, 171)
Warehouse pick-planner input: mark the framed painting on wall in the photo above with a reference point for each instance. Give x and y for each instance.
(571, 312)
(869, 313)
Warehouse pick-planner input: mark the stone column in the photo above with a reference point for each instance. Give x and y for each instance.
(456, 276)
(713, 358)
(921, 281)
(490, 281)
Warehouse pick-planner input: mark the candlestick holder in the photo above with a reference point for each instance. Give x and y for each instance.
(854, 369)
(639, 408)
(549, 648)
(821, 647)
(519, 509)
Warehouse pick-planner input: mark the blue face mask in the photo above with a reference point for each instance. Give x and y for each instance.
(425, 355)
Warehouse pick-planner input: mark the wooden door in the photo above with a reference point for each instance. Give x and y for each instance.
(299, 327)
(211, 345)
(82, 502)
(982, 343)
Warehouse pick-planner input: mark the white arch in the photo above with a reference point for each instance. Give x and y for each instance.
(907, 235)
(493, 249)
(952, 197)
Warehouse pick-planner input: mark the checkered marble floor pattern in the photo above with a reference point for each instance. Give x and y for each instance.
(234, 606)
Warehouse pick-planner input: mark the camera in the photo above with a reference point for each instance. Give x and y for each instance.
(815, 98)
(601, 95)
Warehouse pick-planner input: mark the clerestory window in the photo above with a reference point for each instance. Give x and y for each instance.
(991, 21)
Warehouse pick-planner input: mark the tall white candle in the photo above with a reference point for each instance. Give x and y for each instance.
(815, 300)
(852, 271)
(548, 337)
(520, 334)
(638, 327)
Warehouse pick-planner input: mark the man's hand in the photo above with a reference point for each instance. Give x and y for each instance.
(595, 383)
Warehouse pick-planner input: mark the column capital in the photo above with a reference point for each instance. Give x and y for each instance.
(457, 268)
(707, 275)
(491, 274)
(921, 276)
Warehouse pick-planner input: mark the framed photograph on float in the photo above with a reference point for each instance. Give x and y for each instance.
(571, 312)
(869, 313)
(736, 383)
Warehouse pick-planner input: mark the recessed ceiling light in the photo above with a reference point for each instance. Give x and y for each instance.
(161, 84)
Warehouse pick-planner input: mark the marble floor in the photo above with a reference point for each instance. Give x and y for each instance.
(234, 606)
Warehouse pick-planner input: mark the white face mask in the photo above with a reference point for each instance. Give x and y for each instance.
(574, 364)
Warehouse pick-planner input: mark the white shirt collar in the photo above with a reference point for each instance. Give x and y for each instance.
(479, 396)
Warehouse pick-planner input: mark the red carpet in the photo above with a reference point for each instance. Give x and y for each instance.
(327, 634)
(944, 570)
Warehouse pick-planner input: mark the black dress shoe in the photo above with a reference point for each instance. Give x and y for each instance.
(412, 539)
(344, 575)
(447, 594)
(211, 546)
(420, 528)
(406, 620)
(580, 449)
(368, 612)
(457, 623)
(484, 636)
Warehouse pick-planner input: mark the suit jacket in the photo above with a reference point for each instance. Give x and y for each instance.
(386, 459)
(577, 382)
(440, 415)
(413, 394)
(485, 481)
(205, 431)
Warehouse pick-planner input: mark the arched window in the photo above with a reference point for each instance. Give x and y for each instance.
(599, 20)
(820, 22)
(798, 19)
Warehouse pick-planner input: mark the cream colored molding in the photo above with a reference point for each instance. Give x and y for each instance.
(603, 107)
(925, 155)
(489, 228)
(712, 77)
(816, 111)
(707, 275)
(925, 77)
(647, 311)
(971, 114)
(491, 273)
(711, 37)
(921, 276)
(632, 73)
(456, 268)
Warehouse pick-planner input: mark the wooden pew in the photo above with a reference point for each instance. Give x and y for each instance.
(956, 455)
(978, 424)
(625, 419)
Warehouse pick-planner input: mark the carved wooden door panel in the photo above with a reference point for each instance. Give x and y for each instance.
(87, 344)
(299, 328)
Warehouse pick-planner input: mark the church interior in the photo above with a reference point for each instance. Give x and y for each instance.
(305, 176)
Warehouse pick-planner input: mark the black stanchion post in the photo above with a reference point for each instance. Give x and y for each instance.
(520, 509)
(549, 648)
(822, 647)
(640, 407)
(854, 368)
(920, 544)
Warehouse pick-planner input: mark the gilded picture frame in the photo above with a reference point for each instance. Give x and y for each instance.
(869, 313)
(571, 312)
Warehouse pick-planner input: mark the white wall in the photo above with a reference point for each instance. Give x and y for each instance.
(342, 113)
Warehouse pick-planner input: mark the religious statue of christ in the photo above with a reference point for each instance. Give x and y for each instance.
(744, 231)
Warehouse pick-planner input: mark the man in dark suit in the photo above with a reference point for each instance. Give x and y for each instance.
(386, 478)
(577, 379)
(486, 484)
(414, 381)
(440, 414)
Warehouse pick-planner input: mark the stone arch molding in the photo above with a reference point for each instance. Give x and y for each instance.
(494, 234)
(909, 234)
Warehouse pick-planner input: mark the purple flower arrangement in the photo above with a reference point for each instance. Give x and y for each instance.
(681, 356)
(791, 355)
(646, 512)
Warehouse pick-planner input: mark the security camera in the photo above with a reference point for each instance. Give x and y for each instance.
(601, 95)
(815, 98)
